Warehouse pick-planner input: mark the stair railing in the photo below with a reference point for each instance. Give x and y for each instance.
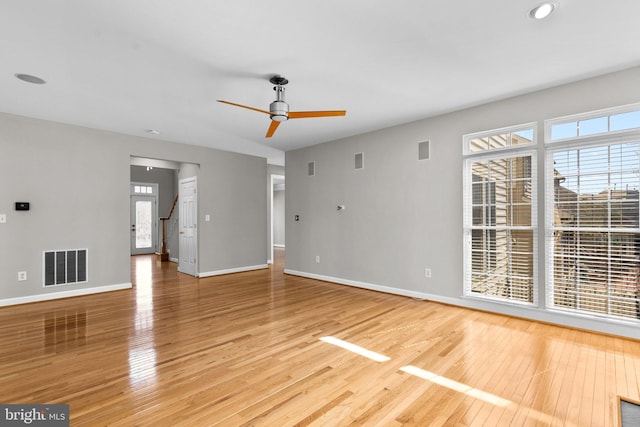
(164, 255)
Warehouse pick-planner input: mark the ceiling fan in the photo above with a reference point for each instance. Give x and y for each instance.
(279, 109)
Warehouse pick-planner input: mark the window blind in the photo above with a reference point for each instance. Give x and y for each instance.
(595, 244)
(500, 216)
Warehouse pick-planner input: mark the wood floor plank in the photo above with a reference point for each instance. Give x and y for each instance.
(632, 362)
(245, 349)
(569, 367)
(576, 383)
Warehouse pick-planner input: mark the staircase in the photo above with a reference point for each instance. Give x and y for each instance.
(164, 255)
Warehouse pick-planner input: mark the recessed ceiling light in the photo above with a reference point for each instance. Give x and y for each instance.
(542, 10)
(153, 131)
(30, 79)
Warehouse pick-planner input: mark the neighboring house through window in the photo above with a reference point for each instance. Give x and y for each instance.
(592, 214)
(500, 215)
(593, 248)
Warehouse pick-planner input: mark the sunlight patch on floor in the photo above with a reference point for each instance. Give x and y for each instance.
(454, 385)
(355, 349)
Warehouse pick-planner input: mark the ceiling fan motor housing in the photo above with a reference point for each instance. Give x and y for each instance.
(279, 109)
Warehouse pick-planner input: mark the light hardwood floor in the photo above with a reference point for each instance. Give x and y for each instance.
(246, 349)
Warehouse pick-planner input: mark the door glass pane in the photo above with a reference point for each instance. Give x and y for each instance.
(143, 224)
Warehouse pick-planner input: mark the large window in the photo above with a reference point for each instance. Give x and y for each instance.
(500, 220)
(592, 208)
(591, 201)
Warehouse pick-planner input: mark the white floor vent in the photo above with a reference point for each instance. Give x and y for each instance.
(64, 267)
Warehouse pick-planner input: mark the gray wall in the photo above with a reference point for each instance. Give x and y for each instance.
(77, 181)
(278, 218)
(403, 215)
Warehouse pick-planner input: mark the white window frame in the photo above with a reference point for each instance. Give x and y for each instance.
(469, 158)
(607, 112)
(578, 143)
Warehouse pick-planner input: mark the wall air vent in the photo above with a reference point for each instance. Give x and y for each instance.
(423, 150)
(311, 168)
(64, 267)
(359, 161)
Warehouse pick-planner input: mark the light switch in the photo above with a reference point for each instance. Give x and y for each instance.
(3, 218)
(207, 217)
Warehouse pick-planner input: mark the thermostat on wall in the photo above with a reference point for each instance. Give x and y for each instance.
(22, 206)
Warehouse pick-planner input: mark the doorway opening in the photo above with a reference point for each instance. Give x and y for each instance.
(277, 236)
(144, 218)
(163, 177)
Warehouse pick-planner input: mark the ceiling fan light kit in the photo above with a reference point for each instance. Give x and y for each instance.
(279, 109)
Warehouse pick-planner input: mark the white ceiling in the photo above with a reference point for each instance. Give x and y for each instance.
(132, 65)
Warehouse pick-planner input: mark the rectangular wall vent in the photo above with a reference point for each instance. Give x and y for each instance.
(359, 160)
(64, 267)
(312, 168)
(423, 150)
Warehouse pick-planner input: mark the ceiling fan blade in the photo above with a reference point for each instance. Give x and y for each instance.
(244, 106)
(309, 114)
(272, 128)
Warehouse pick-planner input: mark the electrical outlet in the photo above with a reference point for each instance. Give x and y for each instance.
(427, 273)
(3, 218)
(22, 276)
(317, 259)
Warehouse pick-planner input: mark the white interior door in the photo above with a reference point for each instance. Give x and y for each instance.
(188, 240)
(144, 230)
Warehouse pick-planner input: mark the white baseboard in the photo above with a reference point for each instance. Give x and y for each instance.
(233, 270)
(176, 260)
(364, 285)
(278, 246)
(63, 294)
(580, 321)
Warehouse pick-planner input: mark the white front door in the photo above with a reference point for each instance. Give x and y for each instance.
(144, 235)
(188, 241)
